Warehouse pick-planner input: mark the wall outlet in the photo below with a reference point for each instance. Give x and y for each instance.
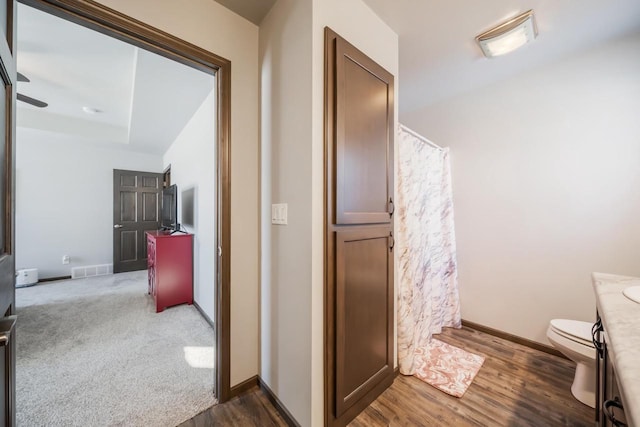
(279, 214)
(65, 259)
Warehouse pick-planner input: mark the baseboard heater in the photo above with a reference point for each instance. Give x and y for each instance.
(91, 271)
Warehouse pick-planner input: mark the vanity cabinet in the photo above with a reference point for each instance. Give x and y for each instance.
(609, 405)
(170, 268)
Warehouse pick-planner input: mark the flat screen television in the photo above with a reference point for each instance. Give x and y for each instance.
(169, 219)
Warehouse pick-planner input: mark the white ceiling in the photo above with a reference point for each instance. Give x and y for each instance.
(439, 57)
(253, 10)
(71, 66)
(144, 99)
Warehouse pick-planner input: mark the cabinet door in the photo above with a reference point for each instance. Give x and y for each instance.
(363, 138)
(364, 313)
(359, 302)
(611, 392)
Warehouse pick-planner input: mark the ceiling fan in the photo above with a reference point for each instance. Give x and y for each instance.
(28, 99)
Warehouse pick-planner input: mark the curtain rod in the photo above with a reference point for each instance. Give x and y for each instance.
(420, 137)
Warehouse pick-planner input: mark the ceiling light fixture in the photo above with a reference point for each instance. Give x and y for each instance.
(508, 36)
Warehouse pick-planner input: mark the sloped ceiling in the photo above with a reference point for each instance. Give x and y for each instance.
(143, 100)
(253, 10)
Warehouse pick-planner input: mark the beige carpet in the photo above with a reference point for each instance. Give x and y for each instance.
(93, 352)
(447, 368)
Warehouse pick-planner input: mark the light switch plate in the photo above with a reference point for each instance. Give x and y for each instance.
(279, 214)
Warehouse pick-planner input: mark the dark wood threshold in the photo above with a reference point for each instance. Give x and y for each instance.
(204, 315)
(284, 412)
(244, 386)
(514, 338)
(53, 279)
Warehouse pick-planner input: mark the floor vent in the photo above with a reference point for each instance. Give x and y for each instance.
(91, 270)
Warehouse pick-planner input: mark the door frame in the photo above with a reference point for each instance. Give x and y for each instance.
(8, 318)
(122, 27)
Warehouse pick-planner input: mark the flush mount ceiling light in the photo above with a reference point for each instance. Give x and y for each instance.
(508, 36)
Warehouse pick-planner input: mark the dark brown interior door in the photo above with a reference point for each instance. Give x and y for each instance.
(7, 211)
(359, 242)
(136, 209)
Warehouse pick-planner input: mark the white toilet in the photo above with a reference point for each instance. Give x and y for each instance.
(573, 339)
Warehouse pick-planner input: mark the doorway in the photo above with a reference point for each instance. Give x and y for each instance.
(103, 20)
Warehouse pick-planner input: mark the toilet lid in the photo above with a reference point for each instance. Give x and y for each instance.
(574, 328)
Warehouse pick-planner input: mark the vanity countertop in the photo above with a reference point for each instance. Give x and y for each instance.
(621, 320)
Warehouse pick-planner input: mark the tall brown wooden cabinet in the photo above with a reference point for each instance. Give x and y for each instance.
(359, 304)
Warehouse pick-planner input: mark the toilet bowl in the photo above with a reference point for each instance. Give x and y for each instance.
(573, 339)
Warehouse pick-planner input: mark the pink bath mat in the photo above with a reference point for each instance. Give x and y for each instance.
(447, 368)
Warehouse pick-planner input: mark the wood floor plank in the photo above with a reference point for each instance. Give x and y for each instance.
(250, 409)
(516, 386)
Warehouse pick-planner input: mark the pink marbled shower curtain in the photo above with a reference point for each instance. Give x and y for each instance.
(428, 273)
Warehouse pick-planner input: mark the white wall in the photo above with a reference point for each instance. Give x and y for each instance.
(285, 59)
(213, 27)
(64, 200)
(546, 186)
(192, 157)
(292, 81)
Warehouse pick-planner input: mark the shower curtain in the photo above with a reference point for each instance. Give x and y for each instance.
(428, 274)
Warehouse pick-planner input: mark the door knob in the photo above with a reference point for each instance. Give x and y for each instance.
(7, 325)
(118, 226)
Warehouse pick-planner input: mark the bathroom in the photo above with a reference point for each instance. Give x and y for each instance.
(544, 187)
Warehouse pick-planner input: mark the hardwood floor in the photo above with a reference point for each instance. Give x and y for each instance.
(253, 408)
(516, 386)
